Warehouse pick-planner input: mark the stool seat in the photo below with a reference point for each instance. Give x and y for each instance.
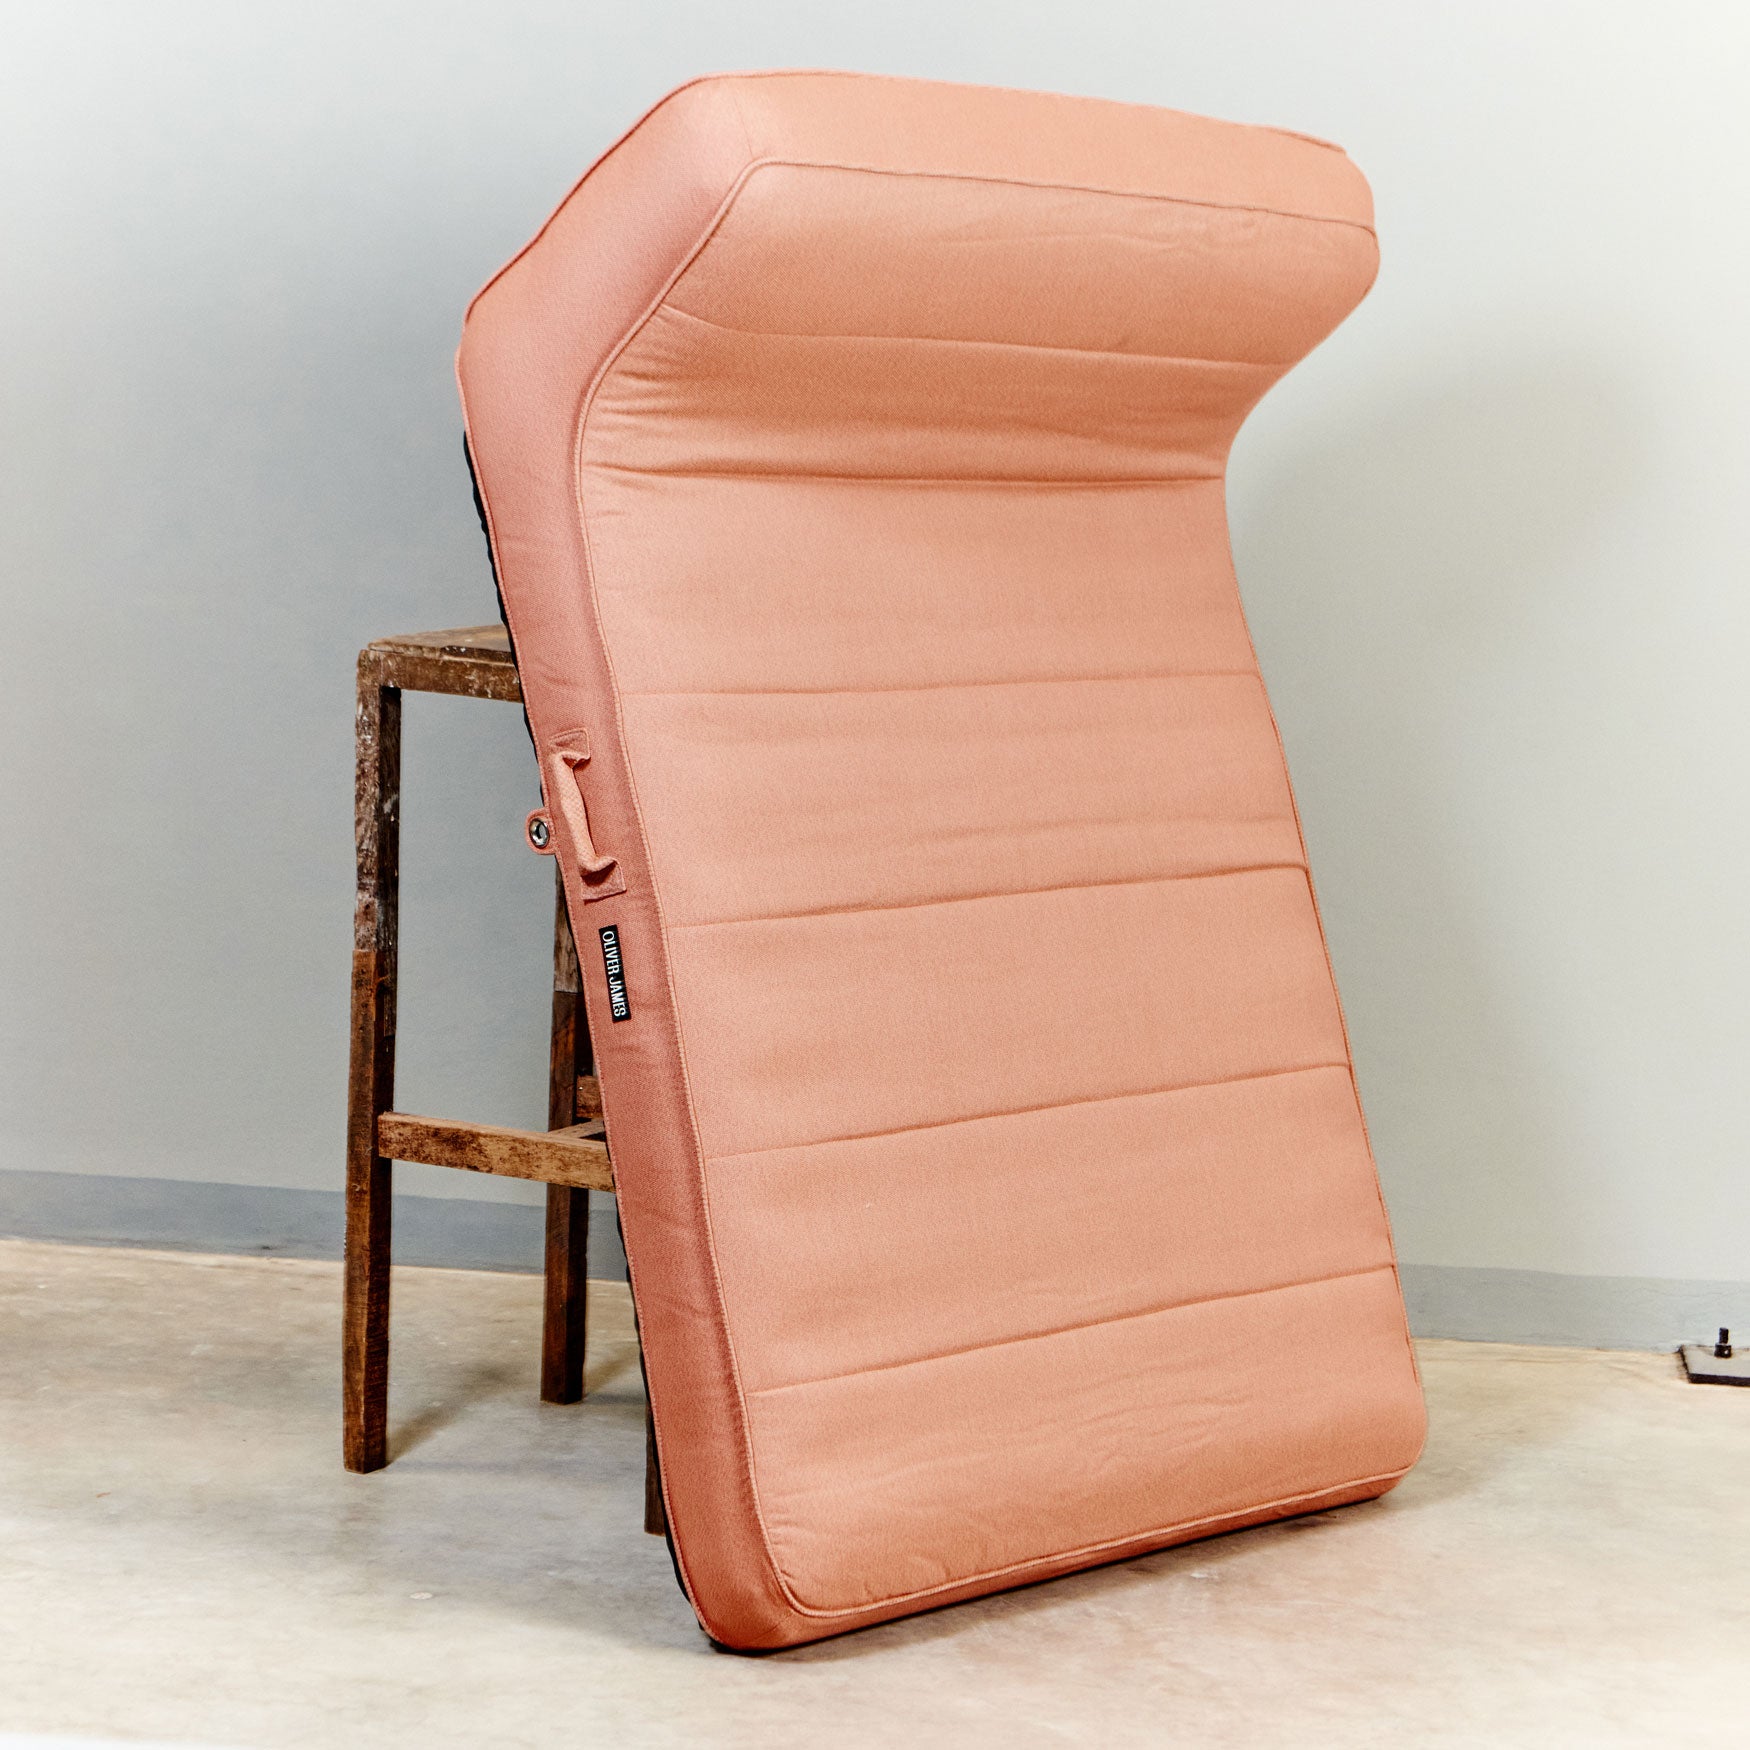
(472, 661)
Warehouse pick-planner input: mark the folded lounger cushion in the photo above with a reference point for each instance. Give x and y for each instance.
(989, 1159)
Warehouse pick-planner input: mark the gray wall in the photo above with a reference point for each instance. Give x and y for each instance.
(1491, 539)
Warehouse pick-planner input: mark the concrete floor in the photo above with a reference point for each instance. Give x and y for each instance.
(183, 1560)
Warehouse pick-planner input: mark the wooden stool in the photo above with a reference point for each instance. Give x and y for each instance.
(570, 1156)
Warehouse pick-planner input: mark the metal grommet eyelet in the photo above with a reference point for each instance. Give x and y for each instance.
(539, 831)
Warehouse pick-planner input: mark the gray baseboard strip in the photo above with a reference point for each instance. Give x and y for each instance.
(1582, 1312)
(182, 1215)
(1489, 1306)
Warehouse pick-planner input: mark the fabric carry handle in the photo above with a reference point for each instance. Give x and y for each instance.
(565, 798)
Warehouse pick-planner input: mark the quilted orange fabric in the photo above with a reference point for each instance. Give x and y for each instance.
(989, 1159)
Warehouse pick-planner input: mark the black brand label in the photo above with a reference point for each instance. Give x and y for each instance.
(618, 1007)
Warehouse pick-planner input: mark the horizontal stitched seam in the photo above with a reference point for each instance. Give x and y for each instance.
(776, 74)
(844, 911)
(1068, 1330)
(1089, 352)
(1069, 482)
(1044, 680)
(1044, 1566)
(1123, 194)
(1258, 1075)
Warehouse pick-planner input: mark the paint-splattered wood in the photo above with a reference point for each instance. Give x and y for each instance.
(371, 1080)
(575, 1156)
(468, 662)
(472, 662)
(564, 1316)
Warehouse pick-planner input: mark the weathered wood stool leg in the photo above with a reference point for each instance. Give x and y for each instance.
(371, 1085)
(572, 1098)
(564, 1326)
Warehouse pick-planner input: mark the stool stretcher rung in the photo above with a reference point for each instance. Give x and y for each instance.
(576, 1155)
